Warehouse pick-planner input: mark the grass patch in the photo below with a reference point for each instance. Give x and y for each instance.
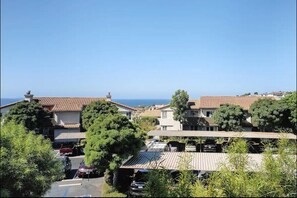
(109, 191)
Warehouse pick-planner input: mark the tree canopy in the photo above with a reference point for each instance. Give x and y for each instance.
(290, 102)
(146, 123)
(179, 104)
(269, 114)
(94, 110)
(111, 139)
(29, 114)
(28, 166)
(229, 117)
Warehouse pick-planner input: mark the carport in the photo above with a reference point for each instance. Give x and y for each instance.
(221, 134)
(70, 137)
(198, 161)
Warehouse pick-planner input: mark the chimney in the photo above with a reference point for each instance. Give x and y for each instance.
(108, 97)
(28, 96)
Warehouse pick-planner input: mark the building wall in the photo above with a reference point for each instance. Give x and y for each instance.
(4, 110)
(167, 122)
(62, 118)
(125, 112)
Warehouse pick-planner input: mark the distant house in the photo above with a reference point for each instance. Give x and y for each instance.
(200, 112)
(67, 113)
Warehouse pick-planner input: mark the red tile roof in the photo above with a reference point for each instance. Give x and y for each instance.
(215, 101)
(70, 103)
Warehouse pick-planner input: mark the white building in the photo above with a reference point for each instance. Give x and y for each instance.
(67, 112)
(200, 113)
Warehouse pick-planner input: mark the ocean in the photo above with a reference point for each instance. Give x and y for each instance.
(128, 102)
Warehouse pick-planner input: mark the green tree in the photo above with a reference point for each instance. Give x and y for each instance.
(146, 123)
(179, 104)
(28, 166)
(159, 184)
(229, 117)
(29, 114)
(290, 102)
(110, 140)
(93, 110)
(268, 114)
(275, 177)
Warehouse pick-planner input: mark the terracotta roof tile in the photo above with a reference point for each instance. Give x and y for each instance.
(151, 113)
(215, 101)
(66, 103)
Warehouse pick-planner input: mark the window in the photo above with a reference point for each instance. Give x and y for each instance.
(164, 114)
(164, 128)
(128, 115)
(208, 114)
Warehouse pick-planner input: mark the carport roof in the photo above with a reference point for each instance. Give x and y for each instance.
(71, 135)
(231, 134)
(198, 161)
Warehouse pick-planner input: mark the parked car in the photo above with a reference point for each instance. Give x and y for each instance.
(87, 171)
(138, 183)
(209, 146)
(190, 146)
(66, 149)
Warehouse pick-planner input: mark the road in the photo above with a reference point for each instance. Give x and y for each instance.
(73, 186)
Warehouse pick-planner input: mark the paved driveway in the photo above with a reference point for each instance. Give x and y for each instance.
(74, 186)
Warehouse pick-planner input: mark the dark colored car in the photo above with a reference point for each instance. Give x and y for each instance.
(138, 183)
(86, 171)
(210, 146)
(66, 149)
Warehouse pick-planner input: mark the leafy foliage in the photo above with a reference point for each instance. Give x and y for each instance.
(269, 114)
(229, 117)
(159, 184)
(179, 104)
(146, 123)
(110, 140)
(94, 110)
(28, 166)
(290, 102)
(29, 114)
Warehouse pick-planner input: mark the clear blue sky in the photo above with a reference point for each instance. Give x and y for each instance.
(147, 49)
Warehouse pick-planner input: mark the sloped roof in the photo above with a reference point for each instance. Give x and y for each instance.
(216, 101)
(151, 113)
(199, 161)
(71, 103)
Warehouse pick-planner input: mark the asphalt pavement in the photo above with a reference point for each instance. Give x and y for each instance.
(73, 186)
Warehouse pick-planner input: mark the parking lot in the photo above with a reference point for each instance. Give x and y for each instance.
(73, 186)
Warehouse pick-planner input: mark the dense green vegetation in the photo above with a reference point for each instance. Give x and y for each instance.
(110, 140)
(229, 117)
(94, 110)
(28, 166)
(179, 104)
(275, 177)
(145, 123)
(29, 114)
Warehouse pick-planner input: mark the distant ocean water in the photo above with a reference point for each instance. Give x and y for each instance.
(128, 102)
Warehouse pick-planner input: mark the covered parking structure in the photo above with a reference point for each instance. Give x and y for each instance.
(70, 136)
(197, 161)
(221, 134)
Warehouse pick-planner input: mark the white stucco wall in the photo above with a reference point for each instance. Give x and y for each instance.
(169, 121)
(62, 118)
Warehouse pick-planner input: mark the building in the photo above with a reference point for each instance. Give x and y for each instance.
(67, 113)
(200, 112)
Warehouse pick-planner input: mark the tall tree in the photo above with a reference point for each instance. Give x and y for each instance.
(290, 101)
(29, 114)
(179, 104)
(93, 110)
(110, 140)
(28, 166)
(229, 117)
(268, 114)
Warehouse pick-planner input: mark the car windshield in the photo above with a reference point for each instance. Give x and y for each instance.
(141, 176)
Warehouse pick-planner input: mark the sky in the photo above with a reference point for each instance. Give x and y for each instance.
(148, 48)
